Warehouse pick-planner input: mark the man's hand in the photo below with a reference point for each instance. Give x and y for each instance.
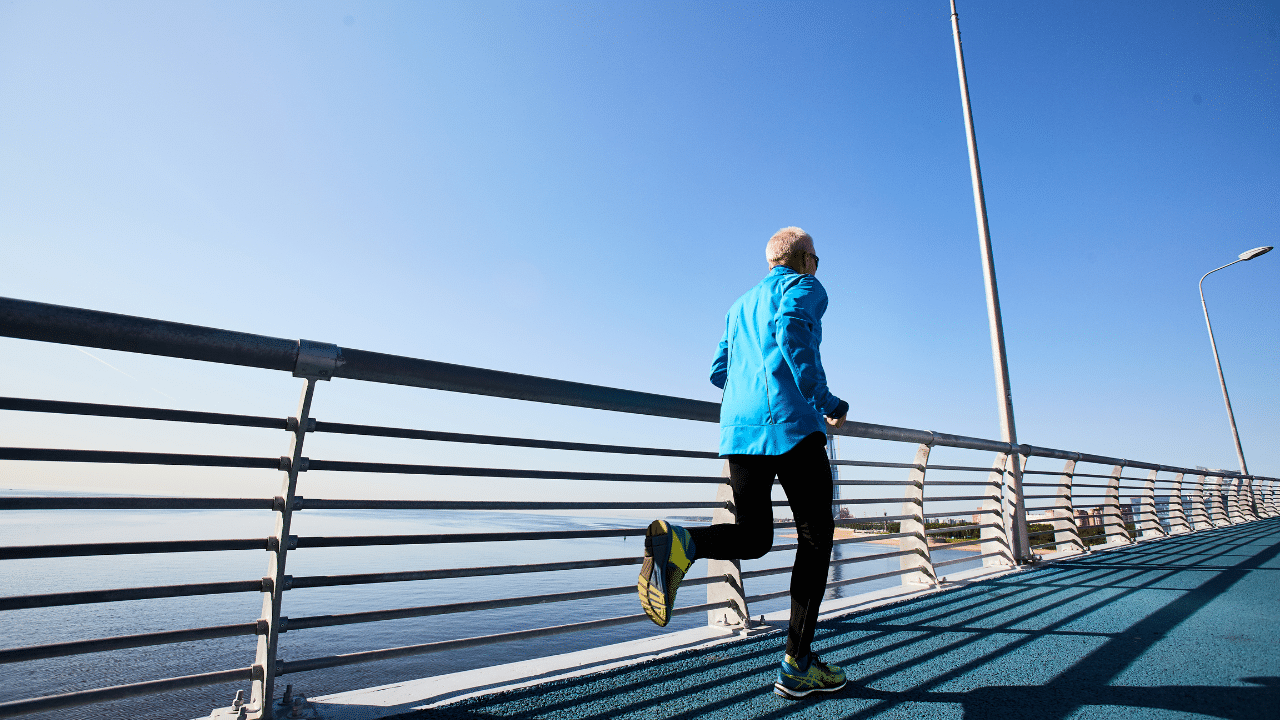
(836, 422)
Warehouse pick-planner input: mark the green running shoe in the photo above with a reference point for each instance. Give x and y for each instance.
(816, 676)
(668, 553)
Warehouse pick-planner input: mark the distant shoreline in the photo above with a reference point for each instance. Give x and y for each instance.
(846, 534)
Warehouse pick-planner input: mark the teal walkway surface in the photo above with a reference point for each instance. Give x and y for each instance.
(1176, 628)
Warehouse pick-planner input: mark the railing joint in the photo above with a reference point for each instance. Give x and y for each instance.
(277, 504)
(285, 463)
(291, 424)
(317, 360)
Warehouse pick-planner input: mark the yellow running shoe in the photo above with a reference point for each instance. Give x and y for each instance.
(668, 553)
(816, 676)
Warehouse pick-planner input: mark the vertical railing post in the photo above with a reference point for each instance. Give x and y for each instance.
(1231, 488)
(994, 517)
(1268, 501)
(277, 582)
(1218, 516)
(730, 589)
(1065, 531)
(315, 362)
(917, 543)
(1211, 501)
(1112, 519)
(1248, 509)
(1177, 512)
(1148, 525)
(1200, 519)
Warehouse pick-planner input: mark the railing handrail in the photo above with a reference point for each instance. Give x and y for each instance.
(29, 320)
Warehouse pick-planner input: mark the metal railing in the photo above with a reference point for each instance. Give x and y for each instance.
(1169, 500)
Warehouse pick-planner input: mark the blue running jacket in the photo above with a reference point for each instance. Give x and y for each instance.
(775, 392)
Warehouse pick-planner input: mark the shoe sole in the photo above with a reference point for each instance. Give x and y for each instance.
(652, 584)
(783, 691)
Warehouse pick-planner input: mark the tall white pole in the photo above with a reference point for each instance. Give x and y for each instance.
(1018, 534)
(1222, 380)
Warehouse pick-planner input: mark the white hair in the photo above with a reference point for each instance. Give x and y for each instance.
(786, 245)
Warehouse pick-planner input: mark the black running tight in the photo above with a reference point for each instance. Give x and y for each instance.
(805, 475)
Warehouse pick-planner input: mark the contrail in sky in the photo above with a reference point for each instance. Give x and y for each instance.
(113, 367)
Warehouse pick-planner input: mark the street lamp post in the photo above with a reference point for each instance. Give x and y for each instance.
(1247, 255)
(1019, 541)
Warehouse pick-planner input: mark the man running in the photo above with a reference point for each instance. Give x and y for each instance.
(771, 425)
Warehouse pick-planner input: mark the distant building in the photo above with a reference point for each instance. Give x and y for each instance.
(1088, 518)
(1162, 510)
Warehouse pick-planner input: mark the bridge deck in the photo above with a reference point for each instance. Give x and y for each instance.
(1181, 627)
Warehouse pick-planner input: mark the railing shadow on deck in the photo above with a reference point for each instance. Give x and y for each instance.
(973, 652)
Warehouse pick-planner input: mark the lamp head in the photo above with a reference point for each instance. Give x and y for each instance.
(1251, 254)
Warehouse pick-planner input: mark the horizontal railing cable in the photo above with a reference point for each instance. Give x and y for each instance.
(509, 505)
(15, 708)
(961, 512)
(409, 650)
(81, 647)
(878, 537)
(86, 597)
(875, 519)
(451, 573)
(369, 540)
(953, 498)
(967, 559)
(440, 436)
(304, 623)
(134, 503)
(22, 552)
(461, 471)
(959, 528)
(974, 541)
(841, 561)
(140, 458)
(876, 464)
(140, 413)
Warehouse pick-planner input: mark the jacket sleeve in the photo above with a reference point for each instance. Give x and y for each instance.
(798, 334)
(720, 366)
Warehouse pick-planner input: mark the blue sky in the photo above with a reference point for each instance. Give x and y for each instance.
(580, 190)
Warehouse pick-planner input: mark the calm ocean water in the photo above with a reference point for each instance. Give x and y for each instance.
(58, 675)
